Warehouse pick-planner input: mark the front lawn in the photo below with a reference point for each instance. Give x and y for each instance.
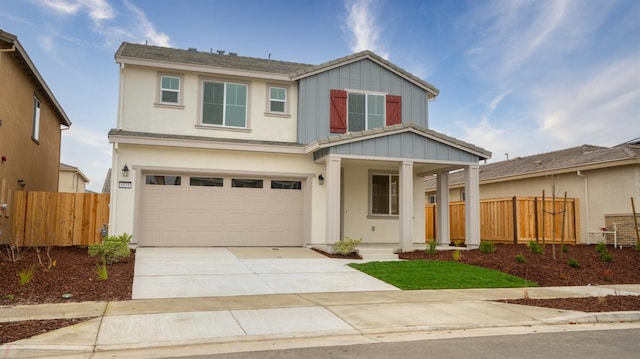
(412, 275)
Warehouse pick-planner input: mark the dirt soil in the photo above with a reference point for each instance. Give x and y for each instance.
(74, 273)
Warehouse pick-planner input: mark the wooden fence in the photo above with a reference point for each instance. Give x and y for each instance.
(58, 219)
(512, 220)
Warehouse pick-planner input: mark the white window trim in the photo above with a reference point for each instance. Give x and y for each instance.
(202, 125)
(370, 213)
(37, 112)
(159, 103)
(366, 103)
(286, 101)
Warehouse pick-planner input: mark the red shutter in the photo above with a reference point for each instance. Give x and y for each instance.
(394, 110)
(338, 112)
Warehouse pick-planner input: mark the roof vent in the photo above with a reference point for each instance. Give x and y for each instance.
(193, 49)
(233, 54)
(538, 162)
(220, 52)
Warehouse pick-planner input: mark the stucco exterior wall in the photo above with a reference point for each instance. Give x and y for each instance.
(71, 182)
(140, 112)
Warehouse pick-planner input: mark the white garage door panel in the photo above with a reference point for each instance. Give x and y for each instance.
(220, 216)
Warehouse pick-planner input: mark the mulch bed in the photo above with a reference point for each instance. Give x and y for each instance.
(609, 303)
(10, 332)
(352, 255)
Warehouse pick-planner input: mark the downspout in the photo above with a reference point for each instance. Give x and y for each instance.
(586, 199)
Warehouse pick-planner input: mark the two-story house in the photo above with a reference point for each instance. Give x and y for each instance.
(215, 149)
(31, 120)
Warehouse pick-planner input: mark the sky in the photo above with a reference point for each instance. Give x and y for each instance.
(515, 77)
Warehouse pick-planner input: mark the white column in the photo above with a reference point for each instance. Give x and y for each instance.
(472, 206)
(332, 182)
(406, 206)
(442, 206)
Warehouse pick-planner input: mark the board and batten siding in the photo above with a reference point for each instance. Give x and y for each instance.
(365, 75)
(404, 145)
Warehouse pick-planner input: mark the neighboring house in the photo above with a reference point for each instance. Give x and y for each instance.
(603, 179)
(106, 186)
(72, 179)
(30, 125)
(214, 149)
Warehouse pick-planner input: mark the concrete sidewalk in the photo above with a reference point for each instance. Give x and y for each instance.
(196, 326)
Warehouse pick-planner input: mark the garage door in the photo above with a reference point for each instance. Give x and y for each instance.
(189, 210)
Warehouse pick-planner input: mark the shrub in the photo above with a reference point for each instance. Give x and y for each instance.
(520, 258)
(535, 247)
(573, 263)
(431, 247)
(456, 255)
(346, 245)
(458, 243)
(606, 257)
(565, 249)
(601, 247)
(112, 249)
(637, 247)
(26, 275)
(487, 247)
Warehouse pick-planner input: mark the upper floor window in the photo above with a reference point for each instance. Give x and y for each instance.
(170, 89)
(224, 104)
(277, 99)
(35, 133)
(357, 111)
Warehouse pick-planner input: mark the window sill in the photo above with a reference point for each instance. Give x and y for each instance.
(223, 128)
(168, 105)
(275, 114)
(383, 216)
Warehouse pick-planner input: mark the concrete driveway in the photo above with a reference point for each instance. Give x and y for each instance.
(204, 272)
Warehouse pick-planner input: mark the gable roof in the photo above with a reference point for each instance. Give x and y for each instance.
(210, 59)
(21, 55)
(312, 70)
(68, 168)
(566, 160)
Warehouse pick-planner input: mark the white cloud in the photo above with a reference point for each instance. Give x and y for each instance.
(364, 29)
(98, 10)
(147, 29)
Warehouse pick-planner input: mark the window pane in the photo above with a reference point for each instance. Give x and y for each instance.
(276, 106)
(163, 180)
(277, 93)
(235, 116)
(206, 181)
(375, 111)
(380, 194)
(356, 112)
(168, 96)
(236, 110)
(286, 184)
(212, 103)
(246, 183)
(170, 83)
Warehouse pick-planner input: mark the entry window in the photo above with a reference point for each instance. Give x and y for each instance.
(206, 181)
(275, 184)
(384, 194)
(163, 180)
(246, 183)
(365, 111)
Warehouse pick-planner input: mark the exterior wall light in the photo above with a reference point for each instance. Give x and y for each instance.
(21, 183)
(125, 171)
(321, 179)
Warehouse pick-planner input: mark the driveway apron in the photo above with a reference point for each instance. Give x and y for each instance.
(205, 272)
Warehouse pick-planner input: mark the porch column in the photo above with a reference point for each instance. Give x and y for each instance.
(406, 206)
(332, 182)
(472, 206)
(442, 206)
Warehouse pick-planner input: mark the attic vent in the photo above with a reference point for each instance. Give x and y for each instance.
(538, 162)
(233, 54)
(220, 52)
(193, 49)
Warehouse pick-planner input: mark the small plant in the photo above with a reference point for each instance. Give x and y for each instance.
(9, 296)
(112, 249)
(487, 247)
(565, 249)
(606, 257)
(637, 247)
(101, 271)
(573, 263)
(26, 275)
(431, 247)
(346, 245)
(520, 258)
(601, 247)
(535, 247)
(458, 243)
(456, 255)
(608, 275)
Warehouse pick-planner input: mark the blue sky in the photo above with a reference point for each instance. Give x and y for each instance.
(517, 77)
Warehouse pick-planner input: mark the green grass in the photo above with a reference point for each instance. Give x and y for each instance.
(419, 274)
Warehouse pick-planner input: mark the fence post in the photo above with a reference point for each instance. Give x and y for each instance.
(514, 205)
